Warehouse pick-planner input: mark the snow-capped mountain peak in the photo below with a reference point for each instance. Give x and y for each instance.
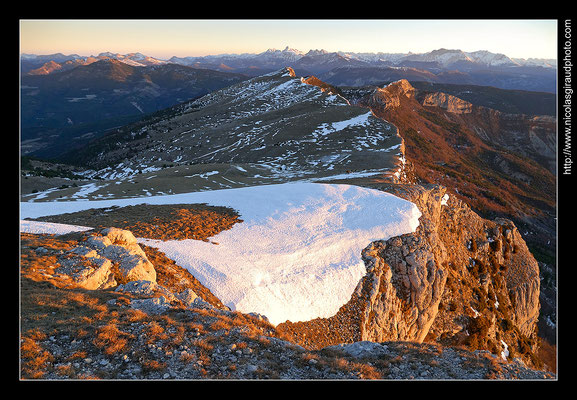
(287, 54)
(443, 57)
(448, 57)
(493, 59)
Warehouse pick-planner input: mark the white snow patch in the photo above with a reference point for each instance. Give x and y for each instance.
(296, 256)
(87, 189)
(445, 199)
(135, 104)
(205, 175)
(505, 352)
(475, 312)
(49, 227)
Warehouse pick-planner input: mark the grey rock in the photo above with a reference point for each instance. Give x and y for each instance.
(155, 305)
(90, 265)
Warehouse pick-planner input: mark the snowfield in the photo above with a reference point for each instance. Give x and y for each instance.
(296, 256)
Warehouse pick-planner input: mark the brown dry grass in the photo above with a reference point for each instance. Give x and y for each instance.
(153, 365)
(548, 355)
(50, 306)
(34, 357)
(110, 339)
(162, 222)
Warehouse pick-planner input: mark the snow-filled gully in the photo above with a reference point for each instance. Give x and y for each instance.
(297, 254)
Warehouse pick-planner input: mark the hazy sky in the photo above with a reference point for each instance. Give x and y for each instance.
(167, 38)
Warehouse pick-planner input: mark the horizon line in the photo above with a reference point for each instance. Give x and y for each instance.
(164, 58)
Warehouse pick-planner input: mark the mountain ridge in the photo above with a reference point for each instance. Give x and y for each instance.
(332, 133)
(492, 161)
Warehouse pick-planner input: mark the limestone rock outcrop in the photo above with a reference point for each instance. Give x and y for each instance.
(405, 279)
(450, 103)
(107, 258)
(112, 259)
(498, 275)
(390, 95)
(458, 279)
(88, 269)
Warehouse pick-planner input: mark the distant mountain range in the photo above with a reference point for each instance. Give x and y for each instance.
(32, 64)
(441, 66)
(70, 99)
(444, 58)
(322, 60)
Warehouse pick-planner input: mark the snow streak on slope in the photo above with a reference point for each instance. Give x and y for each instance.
(296, 256)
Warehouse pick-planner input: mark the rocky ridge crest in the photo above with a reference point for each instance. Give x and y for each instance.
(390, 95)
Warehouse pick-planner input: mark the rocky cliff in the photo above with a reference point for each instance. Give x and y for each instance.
(446, 101)
(532, 136)
(458, 279)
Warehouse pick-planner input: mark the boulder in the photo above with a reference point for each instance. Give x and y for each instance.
(123, 249)
(107, 258)
(119, 236)
(87, 269)
(191, 299)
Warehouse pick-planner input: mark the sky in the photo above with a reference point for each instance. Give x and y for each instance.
(166, 38)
